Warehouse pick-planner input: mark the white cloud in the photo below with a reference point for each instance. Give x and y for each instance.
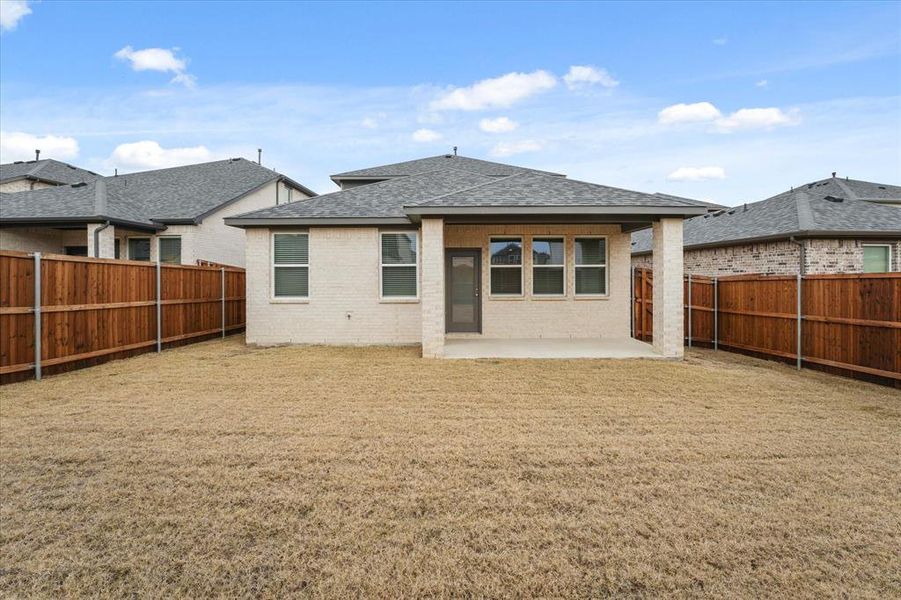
(369, 123)
(720, 41)
(148, 154)
(756, 118)
(17, 145)
(699, 112)
(500, 92)
(158, 59)
(510, 148)
(762, 83)
(498, 125)
(586, 75)
(697, 174)
(11, 12)
(426, 135)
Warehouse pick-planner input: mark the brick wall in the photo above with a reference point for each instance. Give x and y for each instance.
(778, 258)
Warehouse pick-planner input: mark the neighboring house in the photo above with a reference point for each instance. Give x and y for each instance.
(450, 246)
(829, 226)
(172, 215)
(23, 176)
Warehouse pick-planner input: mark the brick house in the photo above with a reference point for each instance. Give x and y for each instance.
(403, 252)
(172, 215)
(829, 226)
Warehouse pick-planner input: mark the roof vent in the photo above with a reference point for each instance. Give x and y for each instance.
(881, 187)
(19, 162)
(79, 184)
(731, 212)
(448, 156)
(834, 199)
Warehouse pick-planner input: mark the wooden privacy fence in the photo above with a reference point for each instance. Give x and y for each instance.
(72, 312)
(847, 322)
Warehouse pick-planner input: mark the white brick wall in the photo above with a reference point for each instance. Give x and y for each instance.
(668, 268)
(432, 292)
(344, 305)
(535, 317)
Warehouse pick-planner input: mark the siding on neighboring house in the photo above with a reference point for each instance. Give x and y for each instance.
(779, 258)
(23, 185)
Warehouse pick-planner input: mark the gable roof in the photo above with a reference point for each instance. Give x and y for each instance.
(149, 198)
(828, 207)
(448, 191)
(433, 163)
(46, 170)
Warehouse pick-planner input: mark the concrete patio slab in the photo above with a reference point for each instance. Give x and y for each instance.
(548, 348)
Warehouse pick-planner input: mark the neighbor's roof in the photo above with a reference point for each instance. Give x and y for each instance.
(454, 191)
(174, 195)
(432, 163)
(47, 170)
(831, 206)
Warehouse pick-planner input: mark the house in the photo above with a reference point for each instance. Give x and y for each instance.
(22, 176)
(829, 226)
(450, 248)
(172, 215)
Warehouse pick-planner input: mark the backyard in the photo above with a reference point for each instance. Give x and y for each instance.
(223, 470)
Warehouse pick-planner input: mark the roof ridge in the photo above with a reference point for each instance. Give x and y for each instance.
(472, 187)
(846, 188)
(805, 215)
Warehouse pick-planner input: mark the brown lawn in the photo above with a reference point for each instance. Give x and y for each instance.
(221, 470)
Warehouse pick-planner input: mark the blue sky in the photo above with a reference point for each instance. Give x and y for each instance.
(726, 102)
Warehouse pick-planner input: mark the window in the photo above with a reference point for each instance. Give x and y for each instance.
(139, 248)
(548, 267)
(170, 249)
(76, 250)
(506, 266)
(877, 258)
(290, 265)
(398, 265)
(591, 266)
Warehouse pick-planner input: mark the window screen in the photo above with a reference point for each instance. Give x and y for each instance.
(876, 259)
(139, 248)
(591, 266)
(170, 250)
(506, 266)
(290, 265)
(548, 260)
(399, 265)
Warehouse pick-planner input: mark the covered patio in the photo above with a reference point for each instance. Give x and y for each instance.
(549, 348)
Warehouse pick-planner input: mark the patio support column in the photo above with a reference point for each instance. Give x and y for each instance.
(432, 296)
(668, 305)
(107, 240)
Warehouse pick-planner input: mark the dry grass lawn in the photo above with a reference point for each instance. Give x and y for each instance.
(221, 470)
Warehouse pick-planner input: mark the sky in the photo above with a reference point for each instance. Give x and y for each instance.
(725, 102)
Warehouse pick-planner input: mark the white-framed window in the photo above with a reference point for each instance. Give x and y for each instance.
(291, 265)
(591, 265)
(399, 265)
(169, 249)
(139, 248)
(548, 266)
(877, 258)
(505, 266)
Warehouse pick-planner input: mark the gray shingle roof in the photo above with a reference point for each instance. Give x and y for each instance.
(385, 199)
(433, 163)
(176, 194)
(832, 205)
(537, 189)
(446, 189)
(49, 170)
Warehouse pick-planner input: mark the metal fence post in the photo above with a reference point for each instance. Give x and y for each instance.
(632, 301)
(222, 270)
(716, 312)
(38, 330)
(800, 279)
(689, 310)
(159, 309)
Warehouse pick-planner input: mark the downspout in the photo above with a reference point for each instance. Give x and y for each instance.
(799, 285)
(97, 238)
(802, 255)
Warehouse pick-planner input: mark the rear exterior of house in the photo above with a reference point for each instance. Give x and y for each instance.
(450, 248)
(171, 215)
(829, 226)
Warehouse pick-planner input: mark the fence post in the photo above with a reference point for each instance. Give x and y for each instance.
(159, 309)
(632, 301)
(689, 310)
(716, 310)
(38, 330)
(800, 279)
(222, 271)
